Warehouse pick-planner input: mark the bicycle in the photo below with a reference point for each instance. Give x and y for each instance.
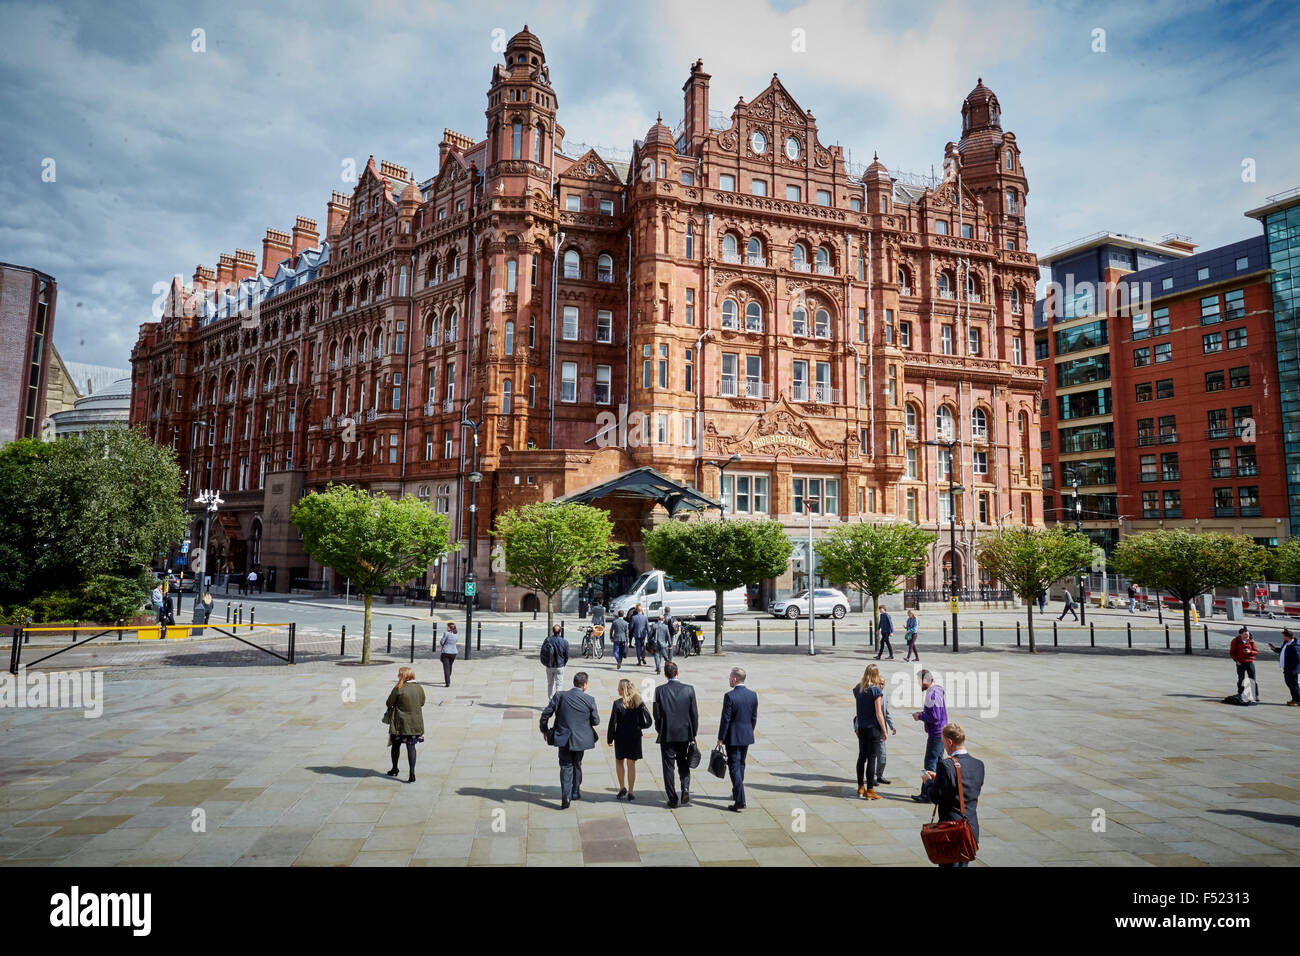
(592, 649)
(688, 640)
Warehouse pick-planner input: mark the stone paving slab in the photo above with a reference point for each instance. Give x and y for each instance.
(287, 765)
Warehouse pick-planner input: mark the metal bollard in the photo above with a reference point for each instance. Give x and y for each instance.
(1166, 637)
(1055, 642)
(1130, 633)
(434, 645)
(758, 633)
(478, 644)
(1206, 627)
(1017, 633)
(343, 636)
(73, 635)
(119, 629)
(413, 642)
(832, 632)
(945, 633)
(796, 632)
(521, 635)
(293, 642)
(390, 640)
(871, 633)
(1092, 634)
(227, 612)
(981, 632)
(252, 615)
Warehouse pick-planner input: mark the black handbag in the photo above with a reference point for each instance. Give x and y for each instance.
(718, 763)
(692, 755)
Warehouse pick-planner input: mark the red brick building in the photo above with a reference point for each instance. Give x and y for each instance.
(731, 287)
(27, 300)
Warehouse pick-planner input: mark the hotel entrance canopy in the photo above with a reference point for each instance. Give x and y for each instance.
(649, 484)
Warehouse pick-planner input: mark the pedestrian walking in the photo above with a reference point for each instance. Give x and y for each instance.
(934, 714)
(889, 725)
(869, 725)
(253, 581)
(674, 627)
(1070, 607)
(909, 630)
(659, 641)
(677, 720)
(574, 733)
(405, 719)
(448, 647)
(1243, 652)
(627, 718)
(598, 621)
(156, 599)
(883, 630)
(1042, 602)
(640, 627)
(554, 655)
(736, 732)
(943, 783)
(205, 605)
(619, 637)
(1288, 658)
(1132, 598)
(168, 611)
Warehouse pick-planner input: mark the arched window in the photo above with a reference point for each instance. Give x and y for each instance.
(972, 288)
(909, 419)
(1022, 420)
(690, 240)
(290, 370)
(347, 352)
(943, 423)
(505, 396)
(799, 257)
(945, 286)
(431, 271)
(539, 134)
(572, 264)
(904, 283)
(753, 317)
(1016, 307)
(435, 329)
(754, 251)
(532, 391)
(605, 268)
(532, 331)
(730, 251)
(453, 323)
(822, 329)
(823, 260)
(979, 424)
(516, 140)
(799, 323)
(363, 294)
(334, 356)
(730, 314)
(510, 337)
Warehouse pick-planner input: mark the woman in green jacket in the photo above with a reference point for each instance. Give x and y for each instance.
(405, 719)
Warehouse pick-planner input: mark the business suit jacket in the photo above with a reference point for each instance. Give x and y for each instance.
(943, 791)
(639, 624)
(618, 630)
(739, 717)
(677, 719)
(575, 719)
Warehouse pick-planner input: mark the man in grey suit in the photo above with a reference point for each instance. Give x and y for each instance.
(660, 641)
(575, 717)
(677, 720)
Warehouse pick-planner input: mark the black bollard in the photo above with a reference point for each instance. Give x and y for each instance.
(227, 612)
(832, 632)
(1017, 633)
(343, 636)
(478, 643)
(796, 632)
(1207, 635)
(1166, 637)
(252, 615)
(521, 635)
(1130, 633)
(413, 643)
(945, 633)
(758, 633)
(1055, 643)
(119, 629)
(390, 640)
(434, 645)
(981, 632)
(1092, 634)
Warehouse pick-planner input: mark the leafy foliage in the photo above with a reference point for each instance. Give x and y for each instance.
(873, 557)
(1031, 560)
(719, 555)
(550, 546)
(1286, 561)
(371, 539)
(1186, 564)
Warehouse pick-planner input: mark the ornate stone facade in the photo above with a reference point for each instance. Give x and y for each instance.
(735, 288)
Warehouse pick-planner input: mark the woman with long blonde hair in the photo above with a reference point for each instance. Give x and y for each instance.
(869, 725)
(627, 718)
(405, 719)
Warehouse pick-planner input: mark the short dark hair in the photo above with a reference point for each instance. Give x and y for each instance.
(580, 679)
(670, 670)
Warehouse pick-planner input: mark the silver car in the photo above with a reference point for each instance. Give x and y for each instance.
(829, 602)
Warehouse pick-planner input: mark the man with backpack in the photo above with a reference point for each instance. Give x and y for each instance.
(1243, 652)
(555, 654)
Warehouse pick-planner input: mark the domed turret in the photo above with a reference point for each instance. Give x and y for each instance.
(659, 135)
(524, 48)
(980, 110)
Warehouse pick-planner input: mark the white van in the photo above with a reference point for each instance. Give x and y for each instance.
(654, 589)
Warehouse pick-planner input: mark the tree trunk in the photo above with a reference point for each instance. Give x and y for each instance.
(875, 613)
(1032, 647)
(365, 630)
(1187, 625)
(717, 622)
(550, 611)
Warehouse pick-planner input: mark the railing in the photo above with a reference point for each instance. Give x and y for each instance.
(326, 423)
(1150, 512)
(229, 397)
(1247, 470)
(910, 431)
(824, 393)
(947, 294)
(907, 290)
(753, 325)
(977, 432)
(1250, 511)
(268, 387)
(825, 270)
(753, 260)
(448, 405)
(1169, 438)
(1222, 512)
(799, 328)
(604, 275)
(375, 353)
(248, 392)
(913, 598)
(1145, 441)
(573, 272)
(449, 335)
(1171, 475)
(799, 392)
(431, 408)
(1225, 472)
(333, 365)
(1173, 512)
(727, 386)
(371, 414)
(822, 331)
(797, 266)
(347, 362)
(756, 389)
(733, 258)
(430, 341)
(730, 323)
(1148, 476)
(1215, 434)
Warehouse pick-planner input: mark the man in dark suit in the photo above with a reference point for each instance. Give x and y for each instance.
(885, 630)
(677, 720)
(736, 732)
(575, 716)
(639, 625)
(943, 781)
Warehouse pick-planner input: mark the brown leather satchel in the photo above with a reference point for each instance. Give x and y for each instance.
(950, 841)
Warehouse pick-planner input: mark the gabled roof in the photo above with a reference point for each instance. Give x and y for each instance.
(646, 483)
(602, 170)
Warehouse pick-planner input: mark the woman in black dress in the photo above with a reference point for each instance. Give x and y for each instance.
(627, 719)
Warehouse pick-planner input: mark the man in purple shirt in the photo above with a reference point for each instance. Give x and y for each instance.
(934, 713)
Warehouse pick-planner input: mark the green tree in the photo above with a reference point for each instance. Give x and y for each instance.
(718, 556)
(372, 539)
(1286, 561)
(552, 545)
(873, 557)
(1031, 560)
(1187, 564)
(102, 503)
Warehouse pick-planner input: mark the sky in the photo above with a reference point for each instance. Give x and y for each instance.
(135, 148)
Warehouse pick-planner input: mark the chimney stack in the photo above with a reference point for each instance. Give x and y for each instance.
(336, 211)
(697, 105)
(452, 140)
(225, 270)
(204, 278)
(245, 264)
(275, 246)
(305, 235)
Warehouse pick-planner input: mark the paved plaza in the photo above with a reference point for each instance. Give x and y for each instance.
(1094, 757)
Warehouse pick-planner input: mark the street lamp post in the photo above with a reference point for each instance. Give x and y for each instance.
(722, 474)
(953, 490)
(471, 585)
(1078, 527)
(211, 501)
(809, 507)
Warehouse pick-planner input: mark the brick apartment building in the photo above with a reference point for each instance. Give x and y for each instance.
(730, 287)
(1163, 388)
(27, 299)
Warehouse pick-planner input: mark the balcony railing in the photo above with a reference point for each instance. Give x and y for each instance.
(248, 392)
(604, 275)
(333, 365)
(797, 266)
(907, 290)
(1169, 475)
(448, 405)
(1173, 512)
(1217, 434)
(979, 432)
(734, 258)
(1147, 477)
(910, 431)
(371, 414)
(1169, 438)
(1145, 441)
(753, 260)
(731, 387)
(375, 353)
(1225, 512)
(268, 387)
(1250, 511)
(1223, 472)
(1151, 512)
(824, 393)
(573, 272)
(825, 270)
(799, 392)
(1247, 469)
(347, 361)
(431, 408)
(947, 294)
